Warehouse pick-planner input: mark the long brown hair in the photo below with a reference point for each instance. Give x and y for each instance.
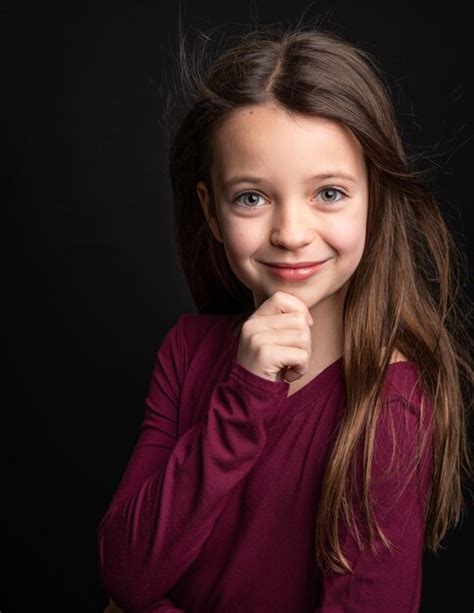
(406, 293)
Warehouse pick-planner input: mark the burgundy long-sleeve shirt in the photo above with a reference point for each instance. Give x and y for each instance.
(216, 510)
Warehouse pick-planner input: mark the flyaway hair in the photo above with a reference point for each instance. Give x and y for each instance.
(407, 292)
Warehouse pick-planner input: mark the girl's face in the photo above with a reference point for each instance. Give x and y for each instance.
(274, 205)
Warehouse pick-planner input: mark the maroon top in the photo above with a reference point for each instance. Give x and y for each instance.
(216, 509)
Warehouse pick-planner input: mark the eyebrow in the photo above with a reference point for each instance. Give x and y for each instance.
(325, 175)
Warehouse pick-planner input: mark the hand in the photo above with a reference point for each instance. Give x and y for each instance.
(112, 607)
(276, 337)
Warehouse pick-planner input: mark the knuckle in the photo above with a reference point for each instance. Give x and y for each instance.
(253, 342)
(247, 328)
(303, 353)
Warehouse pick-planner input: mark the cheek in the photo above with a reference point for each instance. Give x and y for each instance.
(240, 241)
(347, 236)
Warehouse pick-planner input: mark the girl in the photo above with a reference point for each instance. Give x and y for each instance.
(305, 434)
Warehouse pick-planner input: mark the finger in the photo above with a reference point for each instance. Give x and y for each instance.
(289, 375)
(293, 320)
(295, 358)
(283, 302)
(285, 338)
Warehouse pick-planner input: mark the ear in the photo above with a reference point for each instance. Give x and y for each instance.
(203, 195)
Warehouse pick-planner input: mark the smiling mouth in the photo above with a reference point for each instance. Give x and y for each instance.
(296, 265)
(293, 273)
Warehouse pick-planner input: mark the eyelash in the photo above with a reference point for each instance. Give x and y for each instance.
(330, 187)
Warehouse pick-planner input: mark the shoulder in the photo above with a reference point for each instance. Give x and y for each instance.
(192, 338)
(193, 331)
(196, 327)
(400, 373)
(398, 356)
(403, 384)
(405, 400)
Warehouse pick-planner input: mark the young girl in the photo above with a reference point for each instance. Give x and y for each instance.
(305, 434)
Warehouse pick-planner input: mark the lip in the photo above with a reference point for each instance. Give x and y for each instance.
(296, 265)
(295, 273)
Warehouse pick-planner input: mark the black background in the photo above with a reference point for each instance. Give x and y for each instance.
(96, 283)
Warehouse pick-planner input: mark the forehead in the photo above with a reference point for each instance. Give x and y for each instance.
(270, 139)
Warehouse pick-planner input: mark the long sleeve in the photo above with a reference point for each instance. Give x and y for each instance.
(164, 605)
(390, 581)
(174, 489)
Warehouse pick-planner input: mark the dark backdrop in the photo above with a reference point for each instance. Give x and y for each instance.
(96, 282)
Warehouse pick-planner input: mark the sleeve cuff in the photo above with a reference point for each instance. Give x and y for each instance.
(276, 388)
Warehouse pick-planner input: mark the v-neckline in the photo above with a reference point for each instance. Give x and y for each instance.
(308, 392)
(329, 374)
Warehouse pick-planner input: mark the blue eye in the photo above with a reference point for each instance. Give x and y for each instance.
(253, 205)
(246, 194)
(333, 190)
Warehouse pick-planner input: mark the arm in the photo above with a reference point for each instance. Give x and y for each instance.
(112, 607)
(164, 606)
(173, 490)
(392, 581)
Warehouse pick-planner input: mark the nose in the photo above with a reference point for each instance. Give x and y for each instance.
(292, 227)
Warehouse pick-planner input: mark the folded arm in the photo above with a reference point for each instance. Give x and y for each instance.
(165, 605)
(175, 486)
